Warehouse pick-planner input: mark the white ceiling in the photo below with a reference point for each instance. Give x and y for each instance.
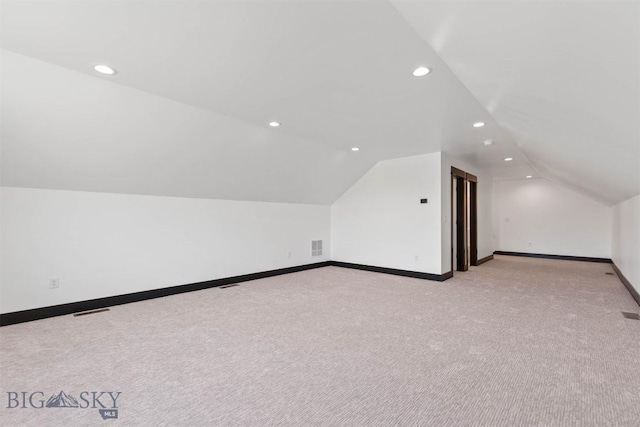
(562, 77)
(198, 82)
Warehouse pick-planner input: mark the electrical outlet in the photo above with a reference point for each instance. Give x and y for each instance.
(530, 244)
(289, 254)
(54, 283)
(416, 258)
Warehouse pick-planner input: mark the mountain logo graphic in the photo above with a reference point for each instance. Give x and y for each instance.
(62, 400)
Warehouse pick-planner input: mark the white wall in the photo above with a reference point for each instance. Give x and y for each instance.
(101, 245)
(625, 250)
(485, 209)
(538, 216)
(380, 221)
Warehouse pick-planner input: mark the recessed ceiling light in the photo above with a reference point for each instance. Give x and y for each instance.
(274, 124)
(355, 149)
(487, 142)
(421, 71)
(528, 177)
(105, 69)
(508, 159)
(478, 124)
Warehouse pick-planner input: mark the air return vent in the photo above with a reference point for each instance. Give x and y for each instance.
(84, 313)
(316, 247)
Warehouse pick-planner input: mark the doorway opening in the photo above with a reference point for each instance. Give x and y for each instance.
(464, 220)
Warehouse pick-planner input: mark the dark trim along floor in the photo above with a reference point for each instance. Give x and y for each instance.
(562, 257)
(94, 304)
(634, 293)
(75, 307)
(406, 273)
(483, 260)
(624, 280)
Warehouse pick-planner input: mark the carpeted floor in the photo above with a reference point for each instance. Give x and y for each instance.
(515, 342)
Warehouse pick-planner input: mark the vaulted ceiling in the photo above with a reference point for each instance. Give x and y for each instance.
(561, 77)
(199, 81)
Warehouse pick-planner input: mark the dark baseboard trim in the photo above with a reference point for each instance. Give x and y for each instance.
(75, 307)
(445, 276)
(634, 293)
(561, 257)
(394, 271)
(483, 260)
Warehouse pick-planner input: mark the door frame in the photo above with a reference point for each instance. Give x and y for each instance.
(461, 220)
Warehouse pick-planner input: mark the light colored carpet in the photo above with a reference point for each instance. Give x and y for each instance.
(514, 342)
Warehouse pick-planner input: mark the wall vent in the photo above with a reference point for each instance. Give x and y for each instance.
(316, 247)
(84, 313)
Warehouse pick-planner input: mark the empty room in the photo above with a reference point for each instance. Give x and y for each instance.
(319, 213)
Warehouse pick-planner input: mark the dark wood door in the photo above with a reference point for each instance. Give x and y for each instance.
(461, 224)
(473, 222)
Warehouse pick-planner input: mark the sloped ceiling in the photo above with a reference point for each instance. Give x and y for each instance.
(562, 77)
(198, 82)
